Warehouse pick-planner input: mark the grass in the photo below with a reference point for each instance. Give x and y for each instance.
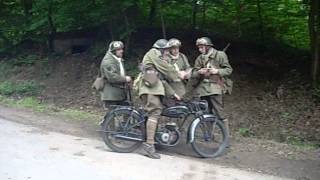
(34, 104)
(24, 88)
(79, 115)
(27, 102)
(302, 144)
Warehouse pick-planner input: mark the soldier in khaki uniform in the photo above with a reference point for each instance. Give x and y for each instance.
(212, 66)
(112, 70)
(180, 63)
(152, 86)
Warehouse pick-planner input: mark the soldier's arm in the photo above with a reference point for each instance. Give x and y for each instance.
(225, 68)
(168, 89)
(186, 62)
(111, 74)
(197, 66)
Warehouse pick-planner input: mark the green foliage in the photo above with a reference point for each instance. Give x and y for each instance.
(132, 69)
(245, 132)
(23, 88)
(299, 142)
(98, 49)
(280, 20)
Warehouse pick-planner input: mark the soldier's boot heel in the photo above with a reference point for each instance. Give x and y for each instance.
(149, 151)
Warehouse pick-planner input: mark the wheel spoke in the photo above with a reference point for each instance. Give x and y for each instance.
(122, 124)
(209, 137)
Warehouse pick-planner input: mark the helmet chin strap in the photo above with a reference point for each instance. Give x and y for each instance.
(161, 51)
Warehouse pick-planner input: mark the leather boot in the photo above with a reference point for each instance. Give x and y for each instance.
(150, 151)
(226, 125)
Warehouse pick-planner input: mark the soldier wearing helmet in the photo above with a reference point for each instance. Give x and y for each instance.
(212, 66)
(152, 85)
(112, 70)
(181, 65)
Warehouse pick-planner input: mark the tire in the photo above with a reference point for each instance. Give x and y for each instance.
(203, 137)
(128, 116)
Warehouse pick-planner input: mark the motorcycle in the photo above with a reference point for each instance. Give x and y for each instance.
(124, 128)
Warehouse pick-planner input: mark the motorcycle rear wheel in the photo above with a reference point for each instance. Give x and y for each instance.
(115, 132)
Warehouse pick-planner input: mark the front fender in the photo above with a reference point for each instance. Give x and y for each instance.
(194, 124)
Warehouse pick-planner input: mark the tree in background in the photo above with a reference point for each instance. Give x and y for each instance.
(261, 21)
(314, 28)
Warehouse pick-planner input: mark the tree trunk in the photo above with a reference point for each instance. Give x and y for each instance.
(163, 26)
(152, 13)
(52, 30)
(260, 21)
(238, 17)
(204, 8)
(194, 14)
(314, 29)
(127, 40)
(27, 7)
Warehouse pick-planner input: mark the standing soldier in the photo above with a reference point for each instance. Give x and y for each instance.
(152, 86)
(112, 70)
(181, 65)
(212, 66)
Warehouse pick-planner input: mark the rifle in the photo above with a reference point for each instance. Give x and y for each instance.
(226, 48)
(127, 87)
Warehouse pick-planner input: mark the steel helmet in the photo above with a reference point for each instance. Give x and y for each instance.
(174, 42)
(161, 44)
(204, 41)
(115, 45)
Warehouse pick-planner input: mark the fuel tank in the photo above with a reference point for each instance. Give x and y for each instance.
(175, 111)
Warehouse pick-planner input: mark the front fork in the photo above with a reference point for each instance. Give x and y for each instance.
(208, 129)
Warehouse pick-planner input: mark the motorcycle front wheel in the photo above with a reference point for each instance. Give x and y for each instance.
(210, 138)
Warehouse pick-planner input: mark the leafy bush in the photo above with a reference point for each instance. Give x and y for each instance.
(6, 88)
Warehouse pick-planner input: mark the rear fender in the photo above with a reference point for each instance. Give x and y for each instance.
(108, 114)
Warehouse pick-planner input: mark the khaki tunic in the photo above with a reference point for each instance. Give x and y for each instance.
(180, 64)
(216, 59)
(114, 83)
(152, 59)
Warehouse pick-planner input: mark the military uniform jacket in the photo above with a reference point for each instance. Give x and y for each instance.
(216, 59)
(179, 64)
(152, 59)
(114, 82)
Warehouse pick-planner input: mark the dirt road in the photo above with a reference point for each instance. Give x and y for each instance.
(42, 146)
(32, 153)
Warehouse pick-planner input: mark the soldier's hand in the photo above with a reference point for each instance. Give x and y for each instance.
(203, 71)
(128, 79)
(182, 74)
(214, 71)
(177, 97)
